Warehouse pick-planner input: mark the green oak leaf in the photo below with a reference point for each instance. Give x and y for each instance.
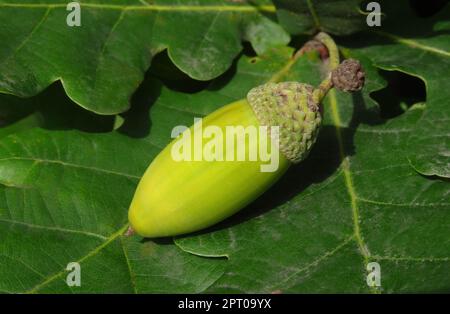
(18, 114)
(64, 197)
(426, 55)
(116, 42)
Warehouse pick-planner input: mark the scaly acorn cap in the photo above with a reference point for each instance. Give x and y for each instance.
(295, 107)
(290, 106)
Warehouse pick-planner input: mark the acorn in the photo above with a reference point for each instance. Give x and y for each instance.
(182, 195)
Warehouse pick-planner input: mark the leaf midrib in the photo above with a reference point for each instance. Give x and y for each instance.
(72, 165)
(93, 252)
(345, 164)
(53, 228)
(151, 7)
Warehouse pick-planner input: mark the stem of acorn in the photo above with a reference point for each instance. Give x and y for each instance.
(346, 76)
(333, 51)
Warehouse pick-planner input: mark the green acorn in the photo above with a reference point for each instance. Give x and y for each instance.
(177, 197)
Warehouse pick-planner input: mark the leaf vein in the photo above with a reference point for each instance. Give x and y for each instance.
(92, 253)
(38, 160)
(58, 229)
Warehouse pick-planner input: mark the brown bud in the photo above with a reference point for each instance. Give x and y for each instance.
(349, 76)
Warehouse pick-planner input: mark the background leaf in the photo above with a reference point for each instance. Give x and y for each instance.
(20, 114)
(340, 17)
(114, 46)
(426, 55)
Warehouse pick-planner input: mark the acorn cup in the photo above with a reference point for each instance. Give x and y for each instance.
(177, 196)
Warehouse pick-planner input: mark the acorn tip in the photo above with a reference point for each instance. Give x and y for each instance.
(130, 231)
